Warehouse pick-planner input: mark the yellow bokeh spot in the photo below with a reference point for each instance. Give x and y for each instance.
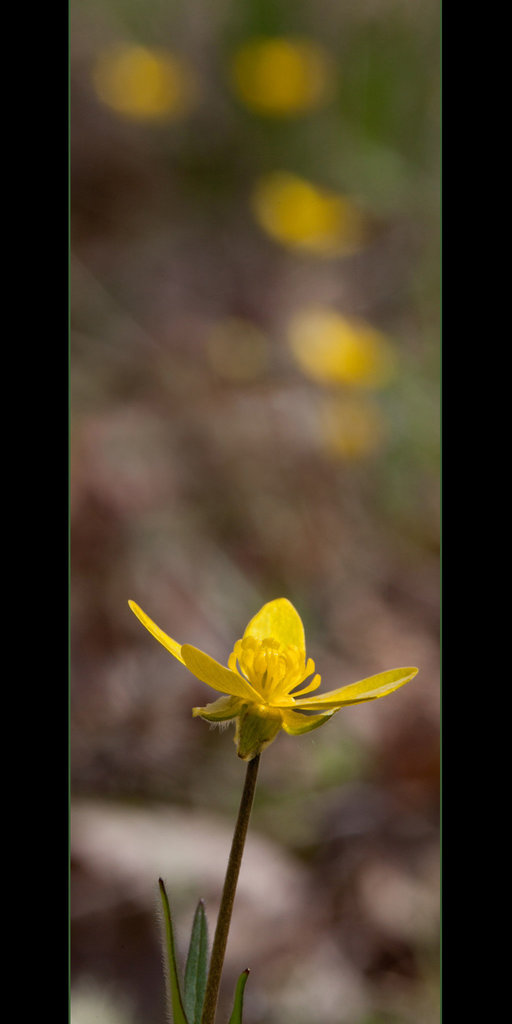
(282, 77)
(350, 428)
(336, 349)
(144, 84)
(302, 216)
(237, 349)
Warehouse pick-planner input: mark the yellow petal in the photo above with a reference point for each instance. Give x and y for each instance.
(171, 645)
(216, 675)
(366, 689)
(281, 621)
(220, 710)
(295, 724)
(313, 685)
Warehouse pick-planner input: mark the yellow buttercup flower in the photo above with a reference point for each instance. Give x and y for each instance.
(350, 428)
(302, 216)
(340, 349)
(282, 76)
(144, 84)
(267, 677)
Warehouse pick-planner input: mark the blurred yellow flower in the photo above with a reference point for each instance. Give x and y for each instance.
(265, 667)
(282, 77)
(302, 216)
(350, 428)
(237, 349)
(144, 84)
(336, 349)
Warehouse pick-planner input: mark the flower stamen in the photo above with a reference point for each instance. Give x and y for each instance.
(274, 670)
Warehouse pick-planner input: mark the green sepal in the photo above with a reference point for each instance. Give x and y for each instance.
(236, 1016)
(254, 732)
(197, 967)
(172, 980)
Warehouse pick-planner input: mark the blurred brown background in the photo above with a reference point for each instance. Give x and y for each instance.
(254, 398)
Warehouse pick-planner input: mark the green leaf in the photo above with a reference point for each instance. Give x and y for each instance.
(236, 1016)
(173, 985)
(197, 967)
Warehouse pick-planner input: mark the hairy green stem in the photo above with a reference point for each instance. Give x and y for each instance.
(228, 894)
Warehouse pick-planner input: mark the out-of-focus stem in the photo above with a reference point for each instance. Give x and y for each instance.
(228, 894)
